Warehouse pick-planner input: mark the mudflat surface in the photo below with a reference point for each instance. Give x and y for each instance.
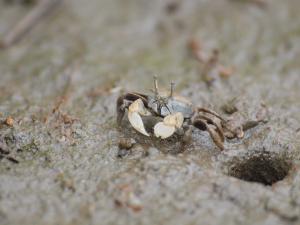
(60, 84)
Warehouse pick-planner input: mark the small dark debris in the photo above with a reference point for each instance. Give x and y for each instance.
(4, 152)
(13, 160)
(122, 153)
(118, 203)
(172, 7)
(126, 143)
(230, 107)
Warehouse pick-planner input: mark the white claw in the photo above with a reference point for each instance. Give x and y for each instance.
(136, 109)
(163, 131)
(175, 119)
(166, 128)
(137, 122)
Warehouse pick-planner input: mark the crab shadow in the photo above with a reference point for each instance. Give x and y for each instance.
(175, 144)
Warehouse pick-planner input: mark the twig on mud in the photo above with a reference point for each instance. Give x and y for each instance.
(39, 12)
(5, 154)
(211, 68)
(62, 99)
(56, 118)
(13, 160)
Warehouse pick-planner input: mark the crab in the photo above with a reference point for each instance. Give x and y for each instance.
(177, 113)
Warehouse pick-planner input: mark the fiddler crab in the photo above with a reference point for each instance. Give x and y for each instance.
(177, 113)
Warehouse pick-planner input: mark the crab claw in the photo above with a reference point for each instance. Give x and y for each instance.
(166, 128)
(136, 109)
(175, 119)
(163, 131)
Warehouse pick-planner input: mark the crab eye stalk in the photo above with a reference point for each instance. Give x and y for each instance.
(172, 89)
(155, 85)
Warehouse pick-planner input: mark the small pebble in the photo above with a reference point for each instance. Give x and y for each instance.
(9, 121)
(134, 202)
(126, 143)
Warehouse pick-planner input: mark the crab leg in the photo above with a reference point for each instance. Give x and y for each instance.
(215, 122)
(218, 140)
(215, 134)
(199, 109)
(169, 125)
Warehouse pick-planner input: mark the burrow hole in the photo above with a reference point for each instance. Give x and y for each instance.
(266, 168)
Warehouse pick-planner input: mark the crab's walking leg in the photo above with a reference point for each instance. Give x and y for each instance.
(218, 140)
(199, 109)
(215, 122)
(216, 134)
(124, 101)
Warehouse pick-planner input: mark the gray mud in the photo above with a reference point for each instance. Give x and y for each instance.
(60, 84)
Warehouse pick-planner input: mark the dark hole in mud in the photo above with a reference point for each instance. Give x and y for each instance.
(264, 168)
